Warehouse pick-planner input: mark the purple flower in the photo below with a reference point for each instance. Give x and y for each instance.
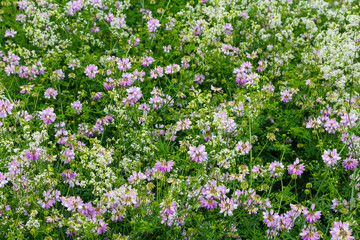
(341, 231)
(91, 71)
(330, 157)
(296, 168)
(48, 116)
(96, 96)
(350, 163)
(312, 216)
(50, 92)
(5, 108)
(244, 148)
(197, 154)
(227, 206)
(228, 28)
(276, 168)
(153, 24)
(33, 154)
(310, 233)
(69, 176)
(67, 155)
(101, 226)
(199, 78)
(208, 203)
(286, 96)
(164, 166)
(77, 106)
(10, 33)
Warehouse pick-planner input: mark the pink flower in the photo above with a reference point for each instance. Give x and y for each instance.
(153, 24)
(157, 72)
(124, 64)
(133, 40)
(3, 179)
(172, 68)
(310, 233)
(134, 93)
(286, 96)
(167, 48)
(312, 216)
(349, 119)
(70, 176)
(228, 28)
(33, 154)
(10, 32)
(77, 106)
(26, 88)
(244, 148)
(95, 29)
(330, 157)
(58, 75)
(270, 218)
(341, 231)
(350, 163)
(136, 177)
(50, 197)
(227, 206)
(101, 226)
(5, 108)
(164, 166)
(198, 154)
(48, 116)
(127, 79)
(50, 92)
(276, 168)
(91, 71)
(146, 61)
(67, 155)
(331, 125)
(296, 168)
(208, 203)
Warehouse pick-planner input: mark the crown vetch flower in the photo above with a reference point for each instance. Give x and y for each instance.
(330, 157)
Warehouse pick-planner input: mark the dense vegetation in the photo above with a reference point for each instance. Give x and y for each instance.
(211, 119)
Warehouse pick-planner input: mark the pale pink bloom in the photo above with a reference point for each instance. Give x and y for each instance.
(227, 206)
(48, 116)
(296, 168)
(10, 33)
(50, 92)
(164, 166)
(153, 24)
(341, 231)
(330, 157)
(198, 154)
(244, 148)
(312, 216)
(5, 108)
(77, 106)
(91, 71)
